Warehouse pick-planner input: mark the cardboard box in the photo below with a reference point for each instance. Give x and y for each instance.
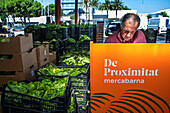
(42, 52)
(17, 44)
(27, 74)
(53, 57)
(19, 62)
(45, 61)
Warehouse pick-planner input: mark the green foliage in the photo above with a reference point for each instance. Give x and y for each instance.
(35, 10)
(45, 89)
(3, 12)
(71, 40)
(51, 9)
(30, 28)
(164, 14)
(150, 35)
(4, 57)
(72, 17)
(149, 16)
(71, 106)
(52, 70)
(126, 8)
(2, 39)
(84, 37)
(72, 25)
(80, 60)
(21, 8)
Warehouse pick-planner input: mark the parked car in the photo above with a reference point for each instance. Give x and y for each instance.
(159, 24)
(4, 32)
(17, 29)
(168, 34)
(112, 27)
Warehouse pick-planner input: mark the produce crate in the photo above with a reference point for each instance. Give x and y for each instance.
(54, 45)
(73, 60)
(16, 45)
(27, 74)
(39, 74)
(21, 101)
(73, 106)
(79, 82)
(81, 98)
(18, 62)
(77, 46)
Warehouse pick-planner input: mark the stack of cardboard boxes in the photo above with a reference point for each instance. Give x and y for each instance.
(42, 54)
(23, 59)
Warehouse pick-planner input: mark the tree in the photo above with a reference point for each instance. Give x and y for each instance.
(35, 10)
(164, 14)
(105, 6)
(10, 8)
(72, 17)
(85, 3)
(149, 16)
(23, 8)
(117, 5)
(126, 8)
(51, 9)
(3, 12)
(94, 4)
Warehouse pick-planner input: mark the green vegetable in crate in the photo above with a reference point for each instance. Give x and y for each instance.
(45, 89)
(4, 39)
(80, 60)
(70, 61)
(71, 106)
(84, 37)
(71, 40)
(3, 57)
(52, 70)
(83, 60)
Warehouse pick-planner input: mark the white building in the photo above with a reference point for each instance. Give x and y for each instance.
(156, 14)
(68, 6)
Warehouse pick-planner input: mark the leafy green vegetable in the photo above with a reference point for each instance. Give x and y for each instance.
(4, 39)
(84, 37)
(71, 106)
(80, 60)
(45, 89)
(52, 70)
(71, 40)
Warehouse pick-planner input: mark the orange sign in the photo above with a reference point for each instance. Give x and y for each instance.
(130, 78)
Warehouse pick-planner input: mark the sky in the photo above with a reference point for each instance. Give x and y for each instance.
(142, 6)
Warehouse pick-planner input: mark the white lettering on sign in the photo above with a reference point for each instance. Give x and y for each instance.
(108, 71)
(125, 80)
(108, 63)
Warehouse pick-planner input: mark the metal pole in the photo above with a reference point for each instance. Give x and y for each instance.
(48, 8)
(76, 11)
(42, 8)
(57, 11)
(79, 25)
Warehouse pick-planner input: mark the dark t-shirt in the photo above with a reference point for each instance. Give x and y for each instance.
(138, 37)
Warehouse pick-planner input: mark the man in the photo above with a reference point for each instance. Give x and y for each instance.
(128, 32)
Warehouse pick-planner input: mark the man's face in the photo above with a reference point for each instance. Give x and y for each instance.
(128, 30)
